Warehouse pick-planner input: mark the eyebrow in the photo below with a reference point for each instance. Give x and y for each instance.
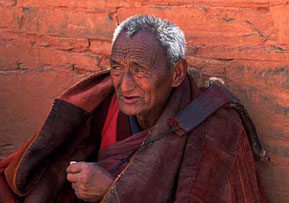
(112, 61)
(136, 64)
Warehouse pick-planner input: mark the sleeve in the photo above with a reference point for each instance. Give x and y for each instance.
(27, 166)
(243, 183)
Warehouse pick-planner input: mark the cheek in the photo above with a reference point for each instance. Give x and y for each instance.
(152, 92)
(161, 90)
(115, 80)
(143, 86)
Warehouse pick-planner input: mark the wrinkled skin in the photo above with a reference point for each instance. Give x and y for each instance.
(89, 180)
(142, 77)
(143, 81)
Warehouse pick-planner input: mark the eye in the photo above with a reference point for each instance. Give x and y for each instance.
(138, 70)
(115, 68)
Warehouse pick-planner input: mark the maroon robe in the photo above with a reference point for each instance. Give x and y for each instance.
(212, 163)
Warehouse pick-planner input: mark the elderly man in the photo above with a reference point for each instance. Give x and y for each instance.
(144, 133)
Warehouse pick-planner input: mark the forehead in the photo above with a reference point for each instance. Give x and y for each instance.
(143, 46)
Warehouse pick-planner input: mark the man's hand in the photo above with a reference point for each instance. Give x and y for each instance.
(89, 180)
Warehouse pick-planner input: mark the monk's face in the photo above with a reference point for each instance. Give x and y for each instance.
(140, 74)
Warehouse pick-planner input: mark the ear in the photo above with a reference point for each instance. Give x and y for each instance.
(180, 72)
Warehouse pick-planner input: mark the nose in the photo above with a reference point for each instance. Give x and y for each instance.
(127, 83)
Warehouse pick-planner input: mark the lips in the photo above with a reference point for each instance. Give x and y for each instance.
(129, 99)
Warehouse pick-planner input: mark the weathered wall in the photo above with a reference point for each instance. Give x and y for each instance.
(47, 45)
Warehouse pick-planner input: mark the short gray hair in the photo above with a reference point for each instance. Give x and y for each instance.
(170, 36)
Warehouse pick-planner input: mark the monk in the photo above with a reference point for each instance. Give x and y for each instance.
(140, 132)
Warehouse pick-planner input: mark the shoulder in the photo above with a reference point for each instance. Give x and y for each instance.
(213, 154)
(223, 129)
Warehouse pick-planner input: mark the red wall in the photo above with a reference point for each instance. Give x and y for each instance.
(47, 45)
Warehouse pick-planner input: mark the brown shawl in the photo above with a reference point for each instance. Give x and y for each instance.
(212, 163)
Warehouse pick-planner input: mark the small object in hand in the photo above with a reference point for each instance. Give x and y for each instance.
(72, 162)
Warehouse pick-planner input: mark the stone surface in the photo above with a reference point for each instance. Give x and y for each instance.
(100, 47)
(9, 17)
(34, 57)
(263, 88)
(8, 2)
(281, 22)
(26, 97)
(68, 23)
(73, 4)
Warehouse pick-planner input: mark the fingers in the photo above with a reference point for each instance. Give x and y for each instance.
(73, 171)
(80, 195)
(81, 191)
(74, 186)
(74, 167)
(73, 178)
(89, 180)
(79, 172)
(79, 187)
(83, 197)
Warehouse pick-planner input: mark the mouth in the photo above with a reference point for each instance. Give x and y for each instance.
(129, 99)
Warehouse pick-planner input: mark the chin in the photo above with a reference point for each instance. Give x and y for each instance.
(129, 110)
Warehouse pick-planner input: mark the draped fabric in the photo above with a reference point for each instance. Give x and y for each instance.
(108, 132)
(212, 163)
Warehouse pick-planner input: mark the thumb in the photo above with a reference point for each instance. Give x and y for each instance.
(74, 167)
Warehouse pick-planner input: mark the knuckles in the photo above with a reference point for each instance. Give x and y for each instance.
(69, 178)
(84, 183)
(83, 187)
(84, 178)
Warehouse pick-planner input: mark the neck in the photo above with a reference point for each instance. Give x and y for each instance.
(149, 119)
(145, 123)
